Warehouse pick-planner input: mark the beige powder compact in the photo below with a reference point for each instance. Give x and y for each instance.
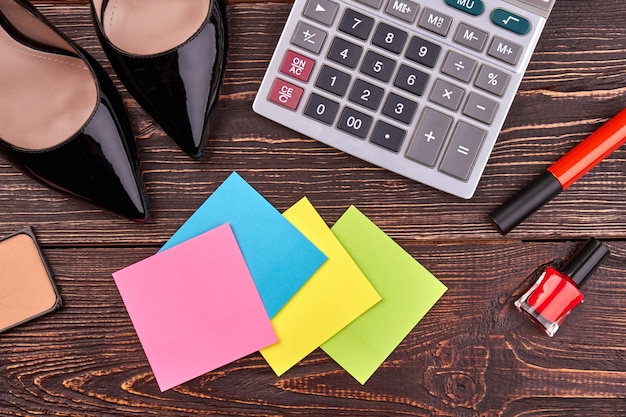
(27, 289)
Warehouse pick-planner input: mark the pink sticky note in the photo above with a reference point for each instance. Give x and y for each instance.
(195, 307)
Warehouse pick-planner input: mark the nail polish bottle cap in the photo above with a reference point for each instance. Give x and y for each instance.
(584, 263)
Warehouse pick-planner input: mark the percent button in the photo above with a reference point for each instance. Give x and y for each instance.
(492, 80)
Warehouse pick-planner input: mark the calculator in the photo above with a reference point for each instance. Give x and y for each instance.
(421, 88)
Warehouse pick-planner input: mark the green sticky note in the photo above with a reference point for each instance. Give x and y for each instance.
(408, 291)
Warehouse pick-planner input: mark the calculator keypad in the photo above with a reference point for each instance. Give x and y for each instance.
(419, 87)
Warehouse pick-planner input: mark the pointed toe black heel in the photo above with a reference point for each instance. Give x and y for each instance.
(171, 56)
(61, 118)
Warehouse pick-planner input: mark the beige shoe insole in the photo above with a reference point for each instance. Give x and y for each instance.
(146, 27)
(45, 98)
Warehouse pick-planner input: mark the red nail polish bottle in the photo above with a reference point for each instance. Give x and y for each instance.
(556, 293)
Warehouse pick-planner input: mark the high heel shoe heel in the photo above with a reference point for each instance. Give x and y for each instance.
(171, 56)
(61, 118)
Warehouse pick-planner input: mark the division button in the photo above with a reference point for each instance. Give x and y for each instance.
(464, 146)
(458, 66)
(429, 137)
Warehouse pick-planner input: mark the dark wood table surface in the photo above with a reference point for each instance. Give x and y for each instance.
(472, 355)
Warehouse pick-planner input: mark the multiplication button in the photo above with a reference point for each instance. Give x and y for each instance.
(447, 95)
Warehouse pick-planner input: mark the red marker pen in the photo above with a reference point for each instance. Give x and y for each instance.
(562, 174)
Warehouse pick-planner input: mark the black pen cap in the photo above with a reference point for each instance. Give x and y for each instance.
(526, 202)
(585, 262)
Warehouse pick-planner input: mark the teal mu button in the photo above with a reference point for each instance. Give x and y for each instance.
(510, 21)
(473, 7)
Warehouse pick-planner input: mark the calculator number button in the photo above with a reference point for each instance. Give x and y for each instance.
(345, 53)
(322, 11)
(399, 108)
(435, 22)
(462, 151)
(505, 50)
(402, 9)
(356, 24)
(388, 136)
(447, 95)
(354, 122)
(321, 109)
(378, 66)
(412, 80)
(297, 66)
(285, 94)
(458, 66)
(366, 94)
(332, 80)
(389, 38)
(492, 80)
(423, 52)
(429, 135)
(308, 37)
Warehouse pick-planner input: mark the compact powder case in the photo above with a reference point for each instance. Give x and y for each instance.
(27, 289)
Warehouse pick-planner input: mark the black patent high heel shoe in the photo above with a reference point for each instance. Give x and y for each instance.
(171, 56)
(61, 118)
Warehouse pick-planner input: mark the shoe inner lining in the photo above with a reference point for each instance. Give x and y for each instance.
(46, 98)
(148, 27)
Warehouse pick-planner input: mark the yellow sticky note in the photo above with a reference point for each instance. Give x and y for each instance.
(331, 299)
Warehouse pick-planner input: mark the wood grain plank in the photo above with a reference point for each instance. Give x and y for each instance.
(473, 354)
(575, 81)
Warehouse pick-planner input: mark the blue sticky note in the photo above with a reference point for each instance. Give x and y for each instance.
(280, 258)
